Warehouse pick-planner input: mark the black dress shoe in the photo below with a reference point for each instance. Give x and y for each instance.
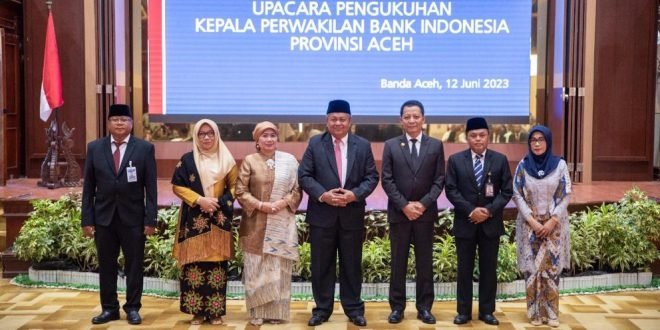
(133, 317)
(426, 317)
(316, 320)
(462, 319)
(395, 317)
(358, 320)
(105, 317)
(489, 319)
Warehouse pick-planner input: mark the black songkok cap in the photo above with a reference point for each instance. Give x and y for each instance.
(120, 110)
(476, 123)
(339, 106)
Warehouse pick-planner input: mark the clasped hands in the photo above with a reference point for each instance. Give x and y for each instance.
(479, 215)
(272, 207)
(413, 210)
(208, 204)
(542, 230)
(338, 197)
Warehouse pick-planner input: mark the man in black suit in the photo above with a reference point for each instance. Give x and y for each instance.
(338, 172)
(118, 209)
(479, 186)
(413, 177)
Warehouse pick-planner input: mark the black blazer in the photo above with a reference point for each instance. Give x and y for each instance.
(317, 174)
(404, 182)
(105, 192)
(462, 192)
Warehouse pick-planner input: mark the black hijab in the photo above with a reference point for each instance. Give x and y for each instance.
(542, 165)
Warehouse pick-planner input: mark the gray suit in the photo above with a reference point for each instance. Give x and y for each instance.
(405, 179)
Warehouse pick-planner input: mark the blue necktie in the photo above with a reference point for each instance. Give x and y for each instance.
(478, 169)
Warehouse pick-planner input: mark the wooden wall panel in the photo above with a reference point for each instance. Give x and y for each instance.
(68, 19)
(624, 77)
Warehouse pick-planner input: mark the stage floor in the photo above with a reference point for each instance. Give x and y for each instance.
(583, 194)
(70, 309)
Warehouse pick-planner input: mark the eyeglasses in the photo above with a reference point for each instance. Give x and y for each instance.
(117, 119)
(209, 134)
(539, 140)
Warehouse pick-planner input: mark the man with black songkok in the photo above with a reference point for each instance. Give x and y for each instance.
(479, 185)
(119, 205)
(338, 172)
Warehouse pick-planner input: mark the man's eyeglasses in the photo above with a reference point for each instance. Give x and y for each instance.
(209, 134)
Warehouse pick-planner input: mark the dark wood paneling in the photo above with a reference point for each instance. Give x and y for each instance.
(68, 18)
(624, 86)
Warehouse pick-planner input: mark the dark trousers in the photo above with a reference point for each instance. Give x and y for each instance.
(401, 236)
(326, 243)
(465, 249)
(131, 241)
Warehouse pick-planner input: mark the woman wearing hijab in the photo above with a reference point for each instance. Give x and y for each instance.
(268, 192)
(541, 193)
(205, 180)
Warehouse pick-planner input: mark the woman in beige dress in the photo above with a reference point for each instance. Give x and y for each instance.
(267, 189)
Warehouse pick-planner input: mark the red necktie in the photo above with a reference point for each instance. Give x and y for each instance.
(338, 159)
(117, 155)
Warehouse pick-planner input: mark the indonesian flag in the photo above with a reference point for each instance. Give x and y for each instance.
(51, 85)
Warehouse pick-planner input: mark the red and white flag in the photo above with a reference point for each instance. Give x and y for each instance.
(51, 85)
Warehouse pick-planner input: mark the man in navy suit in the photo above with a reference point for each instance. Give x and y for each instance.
(413, 177)
(118, 209)
(479, 185)
(338, 172)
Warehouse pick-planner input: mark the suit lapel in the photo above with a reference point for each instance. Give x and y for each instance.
(107, 151)
(488, 160)
(130, 146)
(330, 153)
(351, 155)
(405, 152)
(422, 151)
(469, 167)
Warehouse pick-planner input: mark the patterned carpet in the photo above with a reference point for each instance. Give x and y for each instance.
(22, 308)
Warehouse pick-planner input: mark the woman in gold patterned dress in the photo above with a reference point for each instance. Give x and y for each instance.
(268, 192)
(205, 180)
(541, 193)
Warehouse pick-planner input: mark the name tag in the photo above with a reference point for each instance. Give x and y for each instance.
(131, 173)
(490, 189)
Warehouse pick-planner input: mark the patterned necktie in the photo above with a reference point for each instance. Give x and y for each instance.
(478, 169)
(338, 159)
(117, 154)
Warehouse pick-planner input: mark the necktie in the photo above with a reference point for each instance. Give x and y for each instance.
(414, 152)
(338, 159)
(117, 155)
(478, 169)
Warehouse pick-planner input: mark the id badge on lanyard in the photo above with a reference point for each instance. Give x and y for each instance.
(490, 189)
(131, 172)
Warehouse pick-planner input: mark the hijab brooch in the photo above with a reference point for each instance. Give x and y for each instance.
(270, 163)
(541, 173)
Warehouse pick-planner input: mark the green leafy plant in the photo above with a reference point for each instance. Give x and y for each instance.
(376, 225)
(158, 260)
(376, 260)
(303, 268)
(445, 264)
(53, 232)
(584, 243)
